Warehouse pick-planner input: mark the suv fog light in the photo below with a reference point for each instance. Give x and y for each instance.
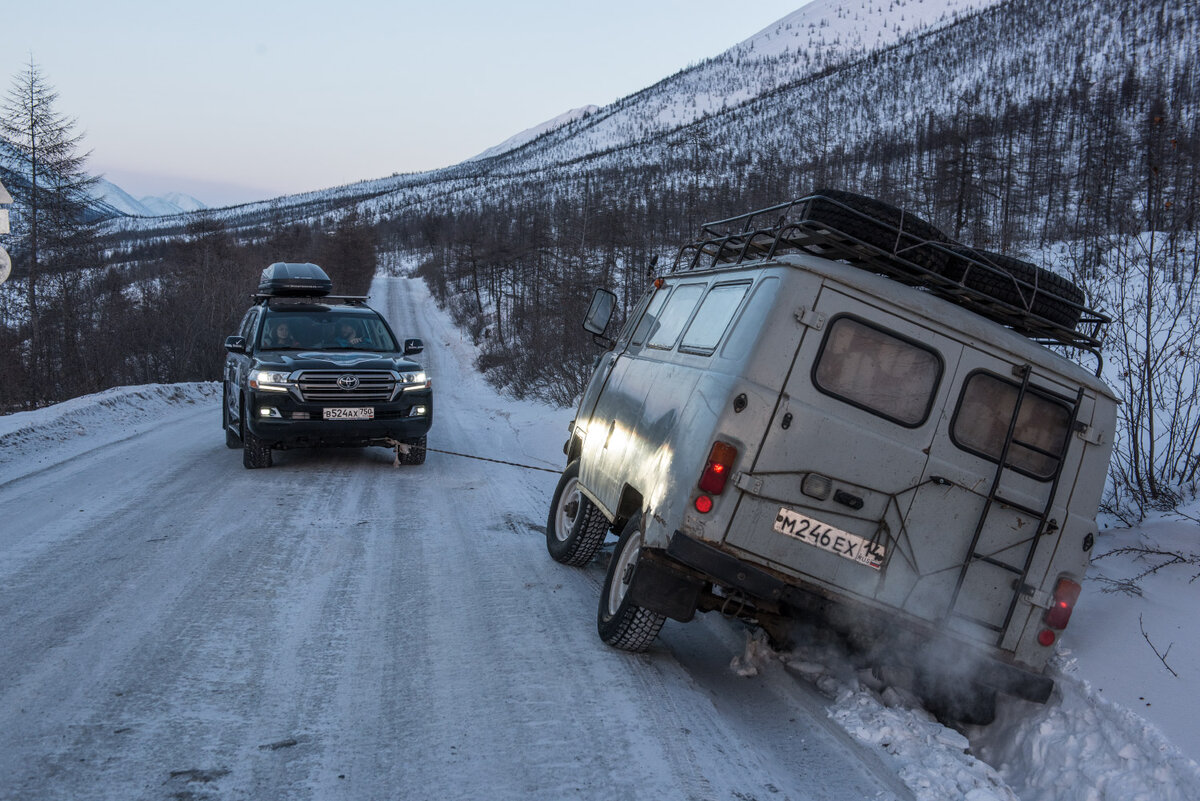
(416, 411)
(269, 411)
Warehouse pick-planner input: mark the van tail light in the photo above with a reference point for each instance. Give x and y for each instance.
(716, 469)
(1066, 593)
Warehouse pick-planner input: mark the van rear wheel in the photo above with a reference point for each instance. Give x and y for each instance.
(575, 529)
(621, 622)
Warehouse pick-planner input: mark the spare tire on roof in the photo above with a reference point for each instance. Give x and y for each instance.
(881, 225)
(1018, 283)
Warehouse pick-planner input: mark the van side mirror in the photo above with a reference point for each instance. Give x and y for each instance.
(235, 344)
(412, 346)
(599, 313)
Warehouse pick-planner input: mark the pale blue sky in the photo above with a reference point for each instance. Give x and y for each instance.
(235, 101)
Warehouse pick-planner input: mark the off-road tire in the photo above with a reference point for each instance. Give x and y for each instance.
(622, 623)
(910, 245)
(232, 440)
(256, 452)
(416, 451)
(1039, 292)
(576, 527)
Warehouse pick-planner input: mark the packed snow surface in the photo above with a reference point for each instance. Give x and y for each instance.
(336, 627)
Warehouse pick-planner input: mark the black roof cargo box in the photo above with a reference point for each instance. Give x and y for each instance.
(289, 279)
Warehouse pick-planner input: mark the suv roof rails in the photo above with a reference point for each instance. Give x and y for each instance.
(839, 235)
(345, 300)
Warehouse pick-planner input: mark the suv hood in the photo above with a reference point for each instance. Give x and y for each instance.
(290, 361)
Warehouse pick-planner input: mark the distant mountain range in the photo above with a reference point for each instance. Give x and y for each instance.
(114, 197)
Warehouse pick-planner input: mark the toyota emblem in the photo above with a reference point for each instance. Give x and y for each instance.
(348, 382)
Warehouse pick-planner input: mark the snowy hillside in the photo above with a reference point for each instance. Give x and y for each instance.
(530, 134)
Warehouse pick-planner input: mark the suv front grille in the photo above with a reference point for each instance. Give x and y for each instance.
(321, 386)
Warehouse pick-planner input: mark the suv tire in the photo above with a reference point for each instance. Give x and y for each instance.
(416, 451)
(622, 623)
(909, 247)
(256, 452)
(576, 528)
(232, 440)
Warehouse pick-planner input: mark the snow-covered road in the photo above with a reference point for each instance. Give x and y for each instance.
(177, 626)
(173, 626)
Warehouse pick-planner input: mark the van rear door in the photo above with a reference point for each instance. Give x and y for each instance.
(986, 535)
(842, 458)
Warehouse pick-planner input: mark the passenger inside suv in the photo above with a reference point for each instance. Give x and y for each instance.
(280, 336)
(349, 336)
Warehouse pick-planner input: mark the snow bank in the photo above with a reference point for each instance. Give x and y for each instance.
(1079, 746)
(30, 441)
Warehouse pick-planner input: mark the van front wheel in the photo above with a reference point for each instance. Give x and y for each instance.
(575, 529)
(622, 623)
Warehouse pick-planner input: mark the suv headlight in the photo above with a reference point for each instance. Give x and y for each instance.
(414, 380)
(269, 381)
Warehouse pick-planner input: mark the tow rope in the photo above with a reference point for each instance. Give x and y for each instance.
(495, 461)
(400, 445)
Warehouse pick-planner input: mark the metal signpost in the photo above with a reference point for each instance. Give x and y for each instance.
(5, 260)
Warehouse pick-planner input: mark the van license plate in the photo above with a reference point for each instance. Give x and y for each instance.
(350, 413)
(824, 536)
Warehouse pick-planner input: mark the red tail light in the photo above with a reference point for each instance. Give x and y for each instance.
(1066, 593)
(716, 470)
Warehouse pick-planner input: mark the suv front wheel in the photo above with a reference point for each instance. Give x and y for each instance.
(256, 452)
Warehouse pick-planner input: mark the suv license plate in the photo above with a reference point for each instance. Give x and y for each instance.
(824, 536)
(349, 413)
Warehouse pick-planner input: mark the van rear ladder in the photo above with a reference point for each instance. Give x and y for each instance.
(994, 498)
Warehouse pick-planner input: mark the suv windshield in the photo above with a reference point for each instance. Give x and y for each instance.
(327, 329)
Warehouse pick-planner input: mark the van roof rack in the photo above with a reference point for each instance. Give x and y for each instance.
(841, 235)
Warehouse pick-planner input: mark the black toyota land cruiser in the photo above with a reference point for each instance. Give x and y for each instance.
(307, 369)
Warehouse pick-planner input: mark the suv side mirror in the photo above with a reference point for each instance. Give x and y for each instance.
(235, 344)
(412, 346)
(600, 312)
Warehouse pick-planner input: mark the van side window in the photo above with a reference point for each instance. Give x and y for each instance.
(878, 371)
(716, 312)
(675, 315)
(627, 329)
(650, 321)
(981, 423)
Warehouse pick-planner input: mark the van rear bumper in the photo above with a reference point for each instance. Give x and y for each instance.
(731, 572)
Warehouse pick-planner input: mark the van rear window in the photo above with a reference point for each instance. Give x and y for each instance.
(983, 415)
(878, 371)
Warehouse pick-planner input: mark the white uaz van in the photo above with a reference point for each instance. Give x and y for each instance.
(828, 407)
